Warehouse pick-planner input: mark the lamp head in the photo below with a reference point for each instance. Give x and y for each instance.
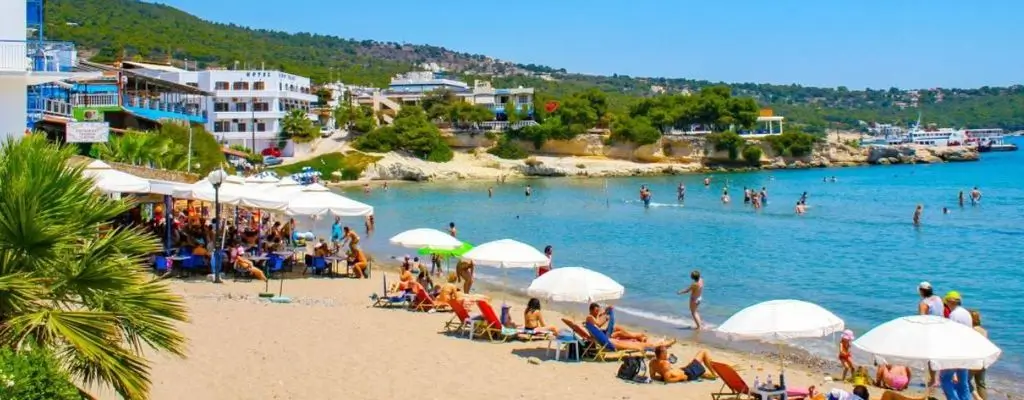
(217, 177)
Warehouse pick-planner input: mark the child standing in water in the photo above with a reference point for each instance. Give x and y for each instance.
(844, 354)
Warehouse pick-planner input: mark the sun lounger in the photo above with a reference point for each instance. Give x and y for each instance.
(738, 388)
(424, 302)
(604, 348)
(461, 321)
(386, 300)
(492, 328)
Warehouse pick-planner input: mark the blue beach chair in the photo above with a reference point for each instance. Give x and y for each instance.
(605, 349)
(403, 299)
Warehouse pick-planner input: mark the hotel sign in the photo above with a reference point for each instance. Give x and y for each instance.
(87, 132)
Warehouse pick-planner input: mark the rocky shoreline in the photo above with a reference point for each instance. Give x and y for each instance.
(590, 160)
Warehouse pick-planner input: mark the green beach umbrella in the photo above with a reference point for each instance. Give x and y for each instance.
(456, 252)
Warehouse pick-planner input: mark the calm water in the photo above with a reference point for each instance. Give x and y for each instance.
(855, 252)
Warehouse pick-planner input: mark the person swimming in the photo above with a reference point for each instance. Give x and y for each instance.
(725, 196)
(681, 192)
(707, 181)
(800, 208)
(645, 196)
(975, 196)
(746, 195)
(803, 198)
(960, 197)
(529, 190)
(917, 215)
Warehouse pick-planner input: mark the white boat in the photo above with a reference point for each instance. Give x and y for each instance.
(995, 144)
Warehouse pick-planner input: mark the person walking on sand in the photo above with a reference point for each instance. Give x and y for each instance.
(917, 215)
(978, 386)
(975, 196)
(845, 359)
(696, 291)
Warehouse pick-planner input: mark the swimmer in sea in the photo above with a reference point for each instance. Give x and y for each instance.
(800, 208)
(725, 196)
(529, 190)
(707, 181)
(764, 195)
(975, 196)
(681, 192)
(945, 210)
(961, 198)
(490, 192)
(917, 215)
(746, 195)
(803, 198)
(645, 196)
(696, 291)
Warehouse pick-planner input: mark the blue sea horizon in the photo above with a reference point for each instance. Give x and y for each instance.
(855, 252)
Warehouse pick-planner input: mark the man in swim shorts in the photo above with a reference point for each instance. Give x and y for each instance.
(696, 291)
(351, 237)
(661, 369)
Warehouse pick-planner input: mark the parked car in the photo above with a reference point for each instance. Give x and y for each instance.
(271, 160)
(271, 151)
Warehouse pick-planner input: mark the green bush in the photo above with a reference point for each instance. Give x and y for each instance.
(728, 141)
(34, 375)
(410, 131)
(793, 143)
(637, 130)
(381, 140)
(752, 155)
(440, 153)
(507, 150)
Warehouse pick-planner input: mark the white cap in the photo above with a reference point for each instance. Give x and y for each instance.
(924, 285)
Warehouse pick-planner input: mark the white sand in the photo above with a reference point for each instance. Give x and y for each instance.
(329, 344)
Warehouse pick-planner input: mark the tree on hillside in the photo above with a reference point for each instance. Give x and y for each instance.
(86, 297)
(297, 126)
(411, 131)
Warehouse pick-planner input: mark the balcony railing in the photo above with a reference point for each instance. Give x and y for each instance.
(181, 107)
(43, 106)
(94, 99)
(38, 56)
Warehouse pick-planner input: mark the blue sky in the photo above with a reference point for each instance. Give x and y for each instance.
(856, 43)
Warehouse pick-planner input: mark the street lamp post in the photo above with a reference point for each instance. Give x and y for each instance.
(217, 177)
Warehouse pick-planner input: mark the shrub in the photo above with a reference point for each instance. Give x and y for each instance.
(440, 153)
(34, 375)
(206, 151)
(507, 150)
(637, 130)
(728, 141)
(793, 143)
(380, 140)
(533, 162)
(752, 155)
(581, 166)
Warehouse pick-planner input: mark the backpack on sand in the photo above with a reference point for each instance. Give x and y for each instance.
(633, 369)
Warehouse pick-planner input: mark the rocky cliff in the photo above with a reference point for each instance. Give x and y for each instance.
(592, 156)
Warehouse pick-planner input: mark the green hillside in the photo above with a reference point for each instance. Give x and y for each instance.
(108, 28)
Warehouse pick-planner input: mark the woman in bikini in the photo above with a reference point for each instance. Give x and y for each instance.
(534, 321)
(464, 270)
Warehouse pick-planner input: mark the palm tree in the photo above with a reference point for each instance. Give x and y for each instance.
(145, 149)
(64, 287)
(297, 126)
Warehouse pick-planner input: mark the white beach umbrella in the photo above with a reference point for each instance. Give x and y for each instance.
(315, 200)
(575, 284)
(425, 237)
(506, 253)
(233, 191)
(110, 180)
(781, 320)
(922, 340)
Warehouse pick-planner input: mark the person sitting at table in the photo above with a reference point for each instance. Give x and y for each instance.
(600, 320)
(244, 264)
(360, 263)
(321, 249)
(698, 367)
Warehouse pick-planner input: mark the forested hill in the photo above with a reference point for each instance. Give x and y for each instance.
(107, 28)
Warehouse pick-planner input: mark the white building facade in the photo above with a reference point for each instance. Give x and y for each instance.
(248, 105)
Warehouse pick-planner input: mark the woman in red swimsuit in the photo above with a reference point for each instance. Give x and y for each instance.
(545, 268)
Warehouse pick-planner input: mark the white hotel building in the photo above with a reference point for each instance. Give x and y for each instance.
(247, 104)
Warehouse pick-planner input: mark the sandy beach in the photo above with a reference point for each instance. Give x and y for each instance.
(330, 344)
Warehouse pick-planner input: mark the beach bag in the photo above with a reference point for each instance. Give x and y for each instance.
(633, 369)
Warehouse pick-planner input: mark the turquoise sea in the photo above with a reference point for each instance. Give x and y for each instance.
(855, 252)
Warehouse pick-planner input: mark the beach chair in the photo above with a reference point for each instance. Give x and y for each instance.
(388, 301)
(275, 265)
(492, 328)
(423, 301)
(604, 349)
(585, 342)
(738, 389)
(317, 264)
(461, 321)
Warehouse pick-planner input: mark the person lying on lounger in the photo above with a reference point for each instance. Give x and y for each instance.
(450, 290)
(405, 280)
(661, 369)
(245, 264)
(600, 319)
